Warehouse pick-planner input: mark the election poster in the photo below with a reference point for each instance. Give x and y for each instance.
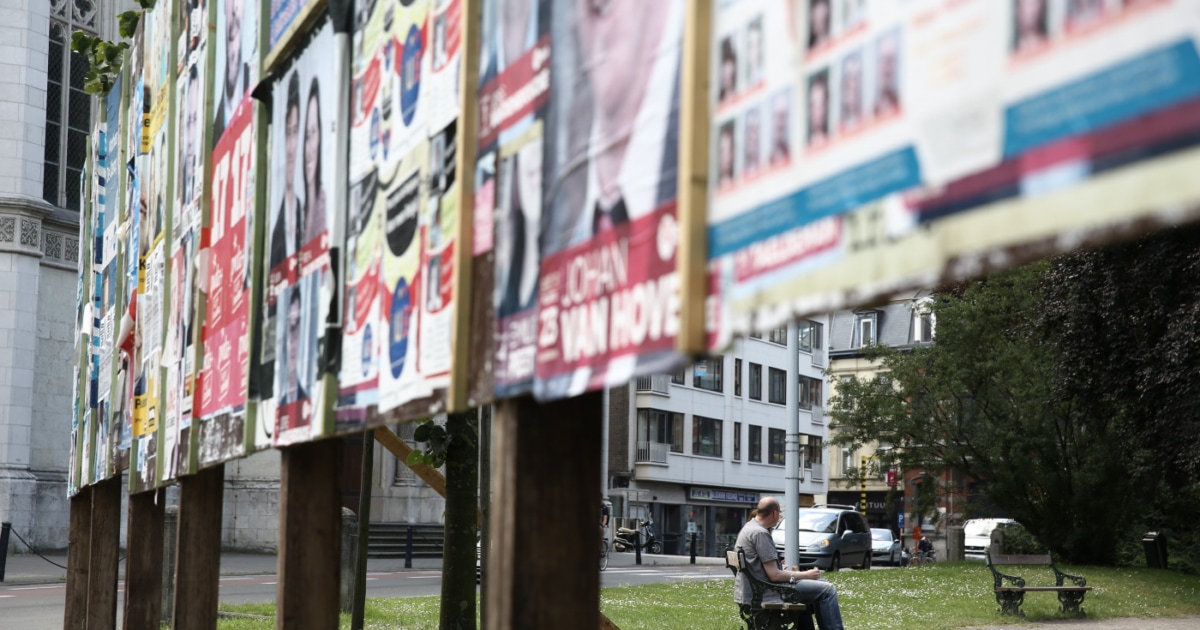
(403, 208)
(190, 141)
(235, 59)
(299, 285)
(514, 92)
(882, 146)
(225, 339)
(608, 306)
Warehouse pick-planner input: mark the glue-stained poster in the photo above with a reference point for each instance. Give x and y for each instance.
(514, 90)
(880, 146)
(299, 285)
(403, 207)
(608, 306)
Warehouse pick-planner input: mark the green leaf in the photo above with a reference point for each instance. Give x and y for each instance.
(423, 431)
(146, 4)
(128, 23)
(82, 43)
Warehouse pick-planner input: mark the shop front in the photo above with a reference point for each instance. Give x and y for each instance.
(878, 513)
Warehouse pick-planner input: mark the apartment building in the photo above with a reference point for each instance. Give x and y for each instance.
(703, 445)
(902, 323)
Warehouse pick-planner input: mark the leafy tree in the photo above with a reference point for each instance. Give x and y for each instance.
(984, 400)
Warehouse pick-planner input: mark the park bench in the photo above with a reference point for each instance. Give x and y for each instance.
(787, 615)
(1011, 596)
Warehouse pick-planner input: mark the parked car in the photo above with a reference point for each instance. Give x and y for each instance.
(832, 536)
(885, 547)
(977, 534)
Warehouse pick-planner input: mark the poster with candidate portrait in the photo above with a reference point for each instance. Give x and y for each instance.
(514, 92)
(608, 307)
(913, 131)
(189, 140)
(299, 286)
(235, 59)
(286, 17)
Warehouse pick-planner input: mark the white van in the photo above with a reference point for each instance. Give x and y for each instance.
(977, 534)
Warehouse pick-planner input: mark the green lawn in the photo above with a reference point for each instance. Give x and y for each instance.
(945, 596)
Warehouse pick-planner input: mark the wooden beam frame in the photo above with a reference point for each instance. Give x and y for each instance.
(198, 549)
(144, 559)
(310, 524)
(692, 258)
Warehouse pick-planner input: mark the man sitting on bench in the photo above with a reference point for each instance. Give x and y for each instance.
(762, 559)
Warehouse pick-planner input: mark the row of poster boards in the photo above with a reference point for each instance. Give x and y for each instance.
(294, 231)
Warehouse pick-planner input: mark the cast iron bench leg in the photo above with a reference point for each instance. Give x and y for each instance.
(1010, 602)
(1072, 601)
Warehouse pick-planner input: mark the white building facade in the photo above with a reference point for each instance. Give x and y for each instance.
(700, 447)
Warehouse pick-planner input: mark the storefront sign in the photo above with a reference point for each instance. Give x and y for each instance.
(730, 496)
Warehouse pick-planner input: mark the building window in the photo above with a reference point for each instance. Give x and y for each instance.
(923, 321)
(810, 392)
(660, 427)
(865, 330)
(810, 336)
(737, 377)
(779, 336)
(755, 443)
(847, 461)
(68, 107)
(813, 451)
(756, 335)
(679, 377)
(706, 436)
(775, 447)
(706, 374)
(737, 441)
(777, 386)
(756, 381)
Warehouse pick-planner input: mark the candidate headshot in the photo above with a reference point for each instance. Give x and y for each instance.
(820, 23)
(851, 91)
(286, 230)
(751, 142)
(191, 139)
(725, 155)
(887, 80)
(314, 188)
(294, 388)
(754, 51)
(728, 69)
(781, 114)
(1029, 25)
(236, 80)
(818, 109)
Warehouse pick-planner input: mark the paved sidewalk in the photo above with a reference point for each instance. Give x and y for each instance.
(33, 569)
(1128, 623)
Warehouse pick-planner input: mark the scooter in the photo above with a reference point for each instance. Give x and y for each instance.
(623, 541)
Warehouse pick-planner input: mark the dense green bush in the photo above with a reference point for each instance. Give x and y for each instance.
(1018, 540)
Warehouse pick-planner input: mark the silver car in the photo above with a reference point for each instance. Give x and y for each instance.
(830, 536)
(885, 547)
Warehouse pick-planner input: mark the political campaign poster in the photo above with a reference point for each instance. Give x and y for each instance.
(235, 59)
(403, 207)
(893, 146)
(514, 91)
(299, 284)
(222, 384)
(608, 306)
(189, 139)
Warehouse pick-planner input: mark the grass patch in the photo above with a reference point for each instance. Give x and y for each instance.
(941, 597)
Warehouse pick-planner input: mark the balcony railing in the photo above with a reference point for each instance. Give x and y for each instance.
(653, 452)
(656, 383)
(816, 472)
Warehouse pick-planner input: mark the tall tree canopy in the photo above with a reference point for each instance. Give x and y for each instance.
(1066, 388)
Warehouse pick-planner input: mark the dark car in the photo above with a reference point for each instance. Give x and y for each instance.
(885, 547)
(832, 536)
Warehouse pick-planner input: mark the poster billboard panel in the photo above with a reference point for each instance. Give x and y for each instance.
(403, 208)
(863, 155)
(299, 282)
(610, 230)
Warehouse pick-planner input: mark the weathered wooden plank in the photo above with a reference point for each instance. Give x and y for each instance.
(79, 543)
(103, 554)
(545, 484)
(694, 121)
(144, 559)
(309, 536)
(401, 449)
(198, 549)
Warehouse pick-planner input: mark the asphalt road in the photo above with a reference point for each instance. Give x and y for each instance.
(41, 606)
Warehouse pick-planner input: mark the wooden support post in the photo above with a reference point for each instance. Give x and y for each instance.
(309, 536)
(103, 555)
(79, 544)
(198, 549)
(545, 491)
(144, 559)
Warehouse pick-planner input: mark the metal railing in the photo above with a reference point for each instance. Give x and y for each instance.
(655, 452)
(656, 383)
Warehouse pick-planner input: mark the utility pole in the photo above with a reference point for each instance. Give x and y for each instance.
(791, 502)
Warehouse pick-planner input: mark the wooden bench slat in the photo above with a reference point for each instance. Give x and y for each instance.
(1026, 589)
(1041, 559)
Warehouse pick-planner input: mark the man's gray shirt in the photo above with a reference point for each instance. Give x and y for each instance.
(759, 547)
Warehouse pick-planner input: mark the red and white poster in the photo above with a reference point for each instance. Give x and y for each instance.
(224, 336)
